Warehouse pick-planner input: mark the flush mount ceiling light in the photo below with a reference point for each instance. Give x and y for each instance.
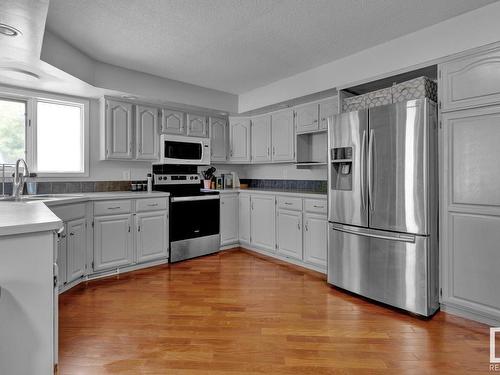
(9, 30)
(18, 74)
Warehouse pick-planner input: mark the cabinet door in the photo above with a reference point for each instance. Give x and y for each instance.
(289, 233)
(218, 139)
(306, 118)
(261, 139)
(262, 221)
(118, 129)
(327, 108)
(283, 136)
(471, 81)
(239, 140)
(228, 219)
(151, 235)
(76, 249)
(146, 133)
(62, 258)
(172, 122)
(315, 239)
(244, 218)
(197, 126)
(112, 241)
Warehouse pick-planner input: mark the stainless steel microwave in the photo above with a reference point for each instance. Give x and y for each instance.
(178, 149)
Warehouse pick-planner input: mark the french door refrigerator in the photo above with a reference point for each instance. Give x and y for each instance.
(382, 198)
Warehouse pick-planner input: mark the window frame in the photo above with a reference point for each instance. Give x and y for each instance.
(31, 99)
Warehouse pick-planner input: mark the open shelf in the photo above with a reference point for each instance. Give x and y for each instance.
(311, 149)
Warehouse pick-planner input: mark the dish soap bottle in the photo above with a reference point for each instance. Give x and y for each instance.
(150, 183)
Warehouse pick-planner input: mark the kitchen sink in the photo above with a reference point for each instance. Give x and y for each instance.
(39, 197)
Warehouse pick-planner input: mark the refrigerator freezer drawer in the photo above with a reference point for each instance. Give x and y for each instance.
(395, 269)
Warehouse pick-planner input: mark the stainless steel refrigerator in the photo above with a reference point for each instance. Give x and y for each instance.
(383, 207)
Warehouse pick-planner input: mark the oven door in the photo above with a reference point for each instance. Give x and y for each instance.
(194, 226)
(184, 150)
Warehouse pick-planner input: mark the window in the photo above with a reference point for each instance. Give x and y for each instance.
(59, 137)
(12, 130)
(49, 132)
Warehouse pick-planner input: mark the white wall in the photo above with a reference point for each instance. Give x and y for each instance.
(470, 30)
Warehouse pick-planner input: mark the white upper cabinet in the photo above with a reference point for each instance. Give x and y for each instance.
(262, 222)
(146, 129)
(228, 219)
(315, 238)
(218, 139)
(244, 218)
(118, 130)
(239, 140)
(327, 108)
(261, 139)
(470, 81)
(151, 238)
(172, 122)
(306, 118)
(196, 125)
(76, 249)
(289, 233)
(283, 136)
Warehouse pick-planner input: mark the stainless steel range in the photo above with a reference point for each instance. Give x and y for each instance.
(194, 215)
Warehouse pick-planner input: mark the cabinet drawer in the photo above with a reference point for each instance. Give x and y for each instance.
(151, 204)
(290, 203)
(112, 207)
(316, 205)
(69, 212)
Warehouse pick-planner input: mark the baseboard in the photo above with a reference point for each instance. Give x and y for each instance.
(295, 262)
(470, 314)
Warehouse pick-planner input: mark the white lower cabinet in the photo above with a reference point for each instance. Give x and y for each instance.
(315, 238)
(151, 238)
(289, 233)
(262, 221)
(62, 260)
(228, 219)
(112, 241)
(244, 218)
(76, 249)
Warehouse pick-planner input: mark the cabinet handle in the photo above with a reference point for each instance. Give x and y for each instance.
(71, 234)
(307, 226)
(315, 121)
(114, 208)
(274, 150)
(288, 203)
(315, 206)
(139, 228)
(153, 204)
(268, 151)
(251, 205)
(298, 226)
(221, 202)
(129, 228)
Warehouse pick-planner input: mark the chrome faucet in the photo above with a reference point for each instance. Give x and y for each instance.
(18, 183)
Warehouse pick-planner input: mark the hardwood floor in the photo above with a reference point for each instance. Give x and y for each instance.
(240, 313)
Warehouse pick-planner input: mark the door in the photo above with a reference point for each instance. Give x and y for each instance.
(193, 217)
(196, 126)
(146, 127)
(239, 140)
(172, 122)
(306, 118)
(118, 130)
(151, 238)
(76, 249)
(62, 257)
(244, 218)
(228, 218)
(347, 145)
(218, 139)
(327, 109)
(387, 267)
(289, 233)
(262, 221)
(398, 159)
(261, 139)
(283, 136)
(315, 239)
(112, 241)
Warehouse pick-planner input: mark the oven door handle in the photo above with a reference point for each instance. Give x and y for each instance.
(194, 198)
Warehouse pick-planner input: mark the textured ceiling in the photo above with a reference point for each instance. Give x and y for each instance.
(238, 45)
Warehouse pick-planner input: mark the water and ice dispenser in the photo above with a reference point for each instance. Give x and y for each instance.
(341, 165)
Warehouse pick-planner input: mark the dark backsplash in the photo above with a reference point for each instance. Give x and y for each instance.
(315, 186)
(57, 187)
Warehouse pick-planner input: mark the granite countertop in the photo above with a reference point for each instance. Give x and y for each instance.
(18, 217)
(288, 192)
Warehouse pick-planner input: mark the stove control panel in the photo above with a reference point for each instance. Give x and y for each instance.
(176, 179)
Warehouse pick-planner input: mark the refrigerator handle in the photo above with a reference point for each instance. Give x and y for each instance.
(370, 167)
(363, 170)
(396, 237)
